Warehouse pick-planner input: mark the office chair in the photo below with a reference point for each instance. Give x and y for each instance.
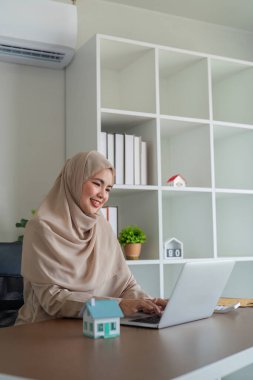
(11, 282)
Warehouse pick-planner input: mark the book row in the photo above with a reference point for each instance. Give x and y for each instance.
(128, 153)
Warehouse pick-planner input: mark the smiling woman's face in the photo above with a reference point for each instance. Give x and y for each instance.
(95, 191)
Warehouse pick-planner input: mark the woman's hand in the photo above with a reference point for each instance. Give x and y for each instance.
(160, 302)
(145, 305)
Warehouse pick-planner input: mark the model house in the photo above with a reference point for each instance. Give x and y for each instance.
(173, 248)
(176, 181)
(101, 318)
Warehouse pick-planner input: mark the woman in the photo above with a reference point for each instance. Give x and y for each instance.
(70, 252)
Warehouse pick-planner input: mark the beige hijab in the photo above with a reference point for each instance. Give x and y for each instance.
(66, 247)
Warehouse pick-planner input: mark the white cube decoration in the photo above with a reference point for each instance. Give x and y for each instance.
(173, 249)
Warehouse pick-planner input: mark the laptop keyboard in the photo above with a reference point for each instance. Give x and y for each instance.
(154, 319)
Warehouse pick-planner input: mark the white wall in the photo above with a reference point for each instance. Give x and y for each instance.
(97, 16)
(32, 130)
(32, 141)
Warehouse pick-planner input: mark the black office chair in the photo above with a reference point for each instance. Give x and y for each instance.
(11, 282)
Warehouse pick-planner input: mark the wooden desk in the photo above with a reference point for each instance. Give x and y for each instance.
(57, 350)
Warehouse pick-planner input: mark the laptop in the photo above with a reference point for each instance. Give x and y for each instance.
(195, 295)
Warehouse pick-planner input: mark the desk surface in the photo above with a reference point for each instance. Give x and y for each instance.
(57, 349)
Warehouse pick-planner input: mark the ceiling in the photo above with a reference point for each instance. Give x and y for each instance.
(236, 14)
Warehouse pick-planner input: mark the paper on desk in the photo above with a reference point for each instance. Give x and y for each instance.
(244, 302)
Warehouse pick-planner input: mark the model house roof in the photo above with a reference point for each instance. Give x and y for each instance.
(173, 241)
(174, 177)
(104, 309)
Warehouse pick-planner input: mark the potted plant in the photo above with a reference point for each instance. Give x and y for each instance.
(131, 238)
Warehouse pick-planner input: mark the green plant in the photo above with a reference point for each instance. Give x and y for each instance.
(22, 223)
(131, 235)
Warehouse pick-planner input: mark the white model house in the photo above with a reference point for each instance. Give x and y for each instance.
(176, 181)
(101, 318)
(173, 249)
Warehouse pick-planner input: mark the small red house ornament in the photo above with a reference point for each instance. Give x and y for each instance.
(176, 181)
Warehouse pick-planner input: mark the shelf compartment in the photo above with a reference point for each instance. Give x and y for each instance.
(185, 150)
(234, 214)
(240, 283)
(183, 85)
(140, 208)
(138, 125)
(232, 91)
(187, 216)
(112, 119)
(143, 275)
(170, 274)
(127, 76)
(233, 157)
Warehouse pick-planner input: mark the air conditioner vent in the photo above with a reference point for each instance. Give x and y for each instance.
(41, 55)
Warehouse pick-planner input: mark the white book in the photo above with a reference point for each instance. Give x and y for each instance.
(113, 218)
(144, 163)
(137, 160)
(110, 148)
(119, 158)
(129, 159)
(103, 211)
(103, 143)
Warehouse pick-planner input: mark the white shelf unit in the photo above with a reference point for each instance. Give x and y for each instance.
(195, 112)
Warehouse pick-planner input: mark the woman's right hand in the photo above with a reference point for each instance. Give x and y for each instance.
(145, 305)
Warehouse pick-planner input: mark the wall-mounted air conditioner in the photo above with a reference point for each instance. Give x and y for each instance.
(37, 32)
